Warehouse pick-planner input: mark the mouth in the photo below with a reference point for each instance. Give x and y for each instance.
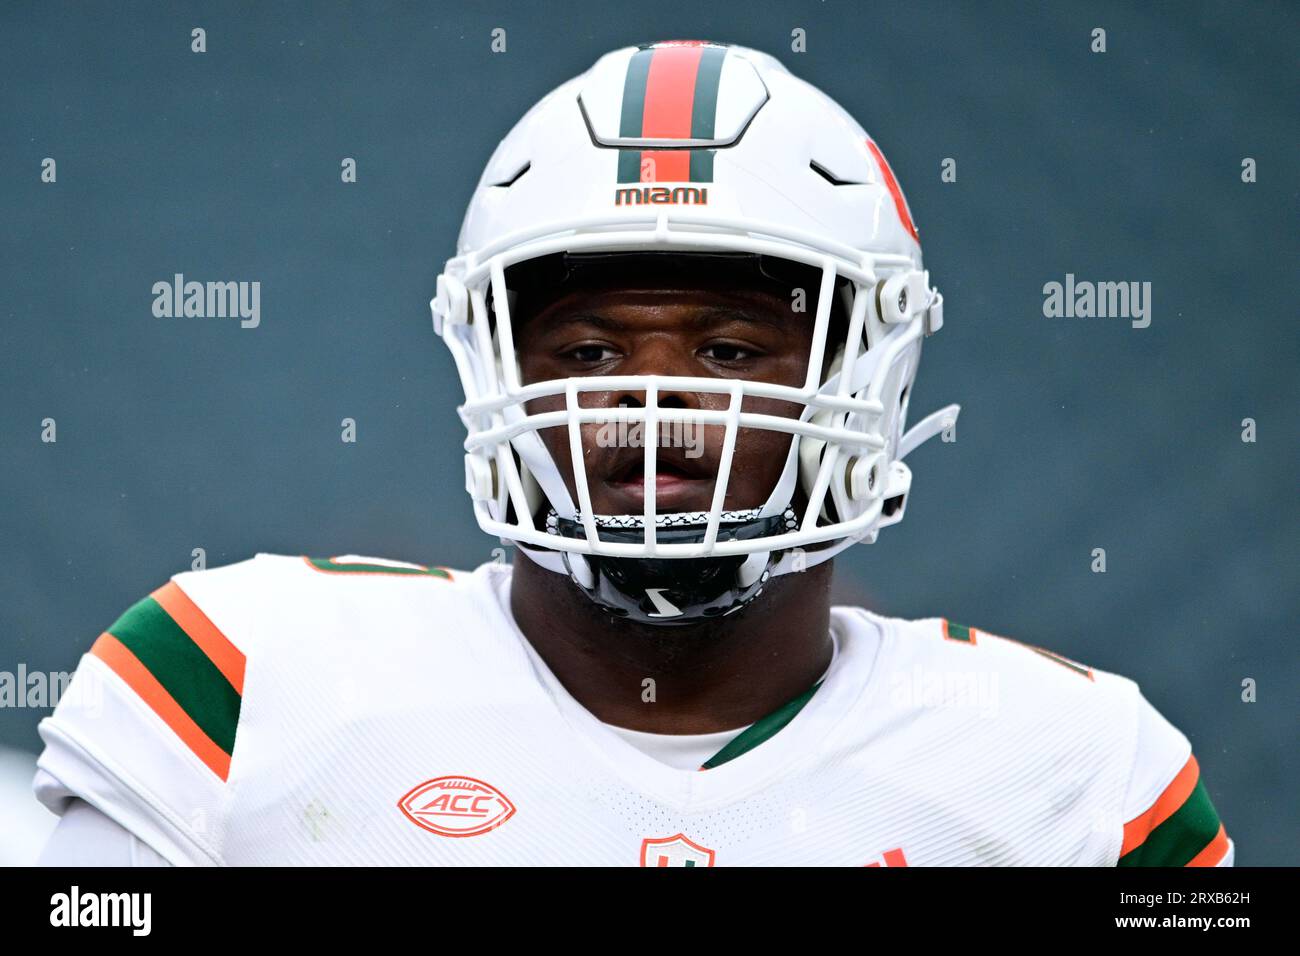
(678, 486)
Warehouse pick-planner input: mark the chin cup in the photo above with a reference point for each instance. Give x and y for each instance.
(674, 592)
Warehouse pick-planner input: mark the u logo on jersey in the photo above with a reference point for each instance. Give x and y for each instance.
(676, 850)
(892, 857)
(456, 806)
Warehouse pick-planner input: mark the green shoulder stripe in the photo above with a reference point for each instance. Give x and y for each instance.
(1187, 831)
(182, 668)
(330, 566)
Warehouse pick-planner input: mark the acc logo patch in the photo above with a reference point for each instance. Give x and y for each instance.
(678, 850)
(456, 806)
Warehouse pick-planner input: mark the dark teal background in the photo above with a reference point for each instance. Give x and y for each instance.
(1075, 434)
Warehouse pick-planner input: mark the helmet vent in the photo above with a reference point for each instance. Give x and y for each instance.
(505, 184)
(827, 175)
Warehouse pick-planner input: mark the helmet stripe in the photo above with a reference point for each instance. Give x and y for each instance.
(669, 102)
(670, 92)
(704, 111)
(634, 84)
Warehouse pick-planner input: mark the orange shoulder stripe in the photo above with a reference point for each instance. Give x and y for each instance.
(1174, 796)
(203, 632)
(1213, 852)
(128, 667)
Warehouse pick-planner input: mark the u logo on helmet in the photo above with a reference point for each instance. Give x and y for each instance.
(900, 203)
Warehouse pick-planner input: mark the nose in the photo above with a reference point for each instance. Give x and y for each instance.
(667, 399)
(661, 357)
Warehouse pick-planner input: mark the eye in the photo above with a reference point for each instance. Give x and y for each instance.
(727, 352)
(591, 354)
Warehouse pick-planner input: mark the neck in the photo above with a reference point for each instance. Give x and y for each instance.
(696, 679)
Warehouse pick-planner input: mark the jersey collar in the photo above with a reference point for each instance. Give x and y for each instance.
(790, 736)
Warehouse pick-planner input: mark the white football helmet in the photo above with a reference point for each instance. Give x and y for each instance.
(693, 147)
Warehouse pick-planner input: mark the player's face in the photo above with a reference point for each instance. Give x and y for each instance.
(708, 333)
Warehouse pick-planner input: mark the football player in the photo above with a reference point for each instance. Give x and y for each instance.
(686, 308)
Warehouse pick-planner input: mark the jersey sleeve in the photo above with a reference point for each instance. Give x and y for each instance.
(147, 726)
(85, 837)
(1169, 819)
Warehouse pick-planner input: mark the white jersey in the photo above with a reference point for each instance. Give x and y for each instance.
(286, 710)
